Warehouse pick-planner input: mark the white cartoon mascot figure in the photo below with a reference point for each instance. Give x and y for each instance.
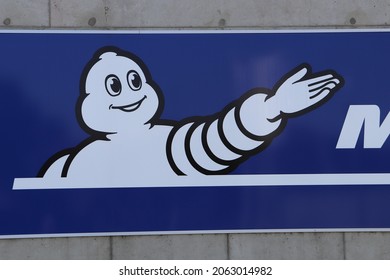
(120, 107)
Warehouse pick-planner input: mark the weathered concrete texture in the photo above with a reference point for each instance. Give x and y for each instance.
(287, 246)
(218, 13)
(94, 248)
(24, 13)
(367, 246)
(210, 246)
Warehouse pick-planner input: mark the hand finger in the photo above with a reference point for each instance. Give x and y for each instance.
(320, 95)
(326, 83)
(322, 92)
(319, 79)
(297, 76)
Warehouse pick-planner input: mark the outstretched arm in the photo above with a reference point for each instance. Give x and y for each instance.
(217, 144)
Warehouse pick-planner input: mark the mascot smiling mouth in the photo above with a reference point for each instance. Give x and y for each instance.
(129, 108)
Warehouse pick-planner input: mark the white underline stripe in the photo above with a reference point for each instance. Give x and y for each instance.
(211, 181)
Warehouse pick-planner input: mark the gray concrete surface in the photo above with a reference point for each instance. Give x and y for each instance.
(367, 246)
(212, 14)
(287, 246)
(81, 248)
(193, 14)
(30, 14)
(210, 246)
(217, 13)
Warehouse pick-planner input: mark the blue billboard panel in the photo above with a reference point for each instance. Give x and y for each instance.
(158, 132)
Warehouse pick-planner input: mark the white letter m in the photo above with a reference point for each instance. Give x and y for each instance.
(375, 134)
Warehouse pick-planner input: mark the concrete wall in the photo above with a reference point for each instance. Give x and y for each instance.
(135, 14)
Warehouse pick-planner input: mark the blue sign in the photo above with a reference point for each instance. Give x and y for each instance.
(128, 133)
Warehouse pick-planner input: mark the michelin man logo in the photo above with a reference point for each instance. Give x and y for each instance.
(120, 107)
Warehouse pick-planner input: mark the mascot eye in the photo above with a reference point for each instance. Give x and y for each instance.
(134, 80)
(113, 85)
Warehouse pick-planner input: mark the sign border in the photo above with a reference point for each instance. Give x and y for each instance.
(283, 30)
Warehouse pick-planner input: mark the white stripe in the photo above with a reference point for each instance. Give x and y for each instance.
(227, 231)
(209, 181)
(281, 30)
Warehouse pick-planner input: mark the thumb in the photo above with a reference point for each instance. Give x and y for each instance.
(298, 74)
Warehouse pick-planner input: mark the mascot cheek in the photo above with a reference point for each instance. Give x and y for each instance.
(96, 115)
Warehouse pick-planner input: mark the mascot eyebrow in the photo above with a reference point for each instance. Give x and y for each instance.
(120, 107)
